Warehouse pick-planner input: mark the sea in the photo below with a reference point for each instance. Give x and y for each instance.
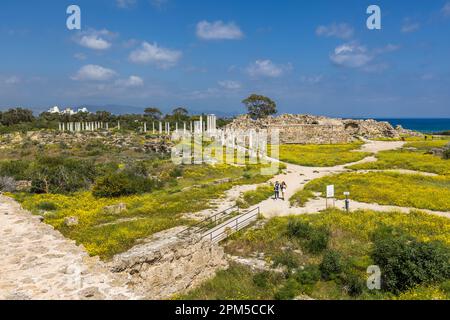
(422, 125)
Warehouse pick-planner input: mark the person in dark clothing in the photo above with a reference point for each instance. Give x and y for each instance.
(277, 190)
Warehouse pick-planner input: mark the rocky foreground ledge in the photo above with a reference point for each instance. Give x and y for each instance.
(38, 263)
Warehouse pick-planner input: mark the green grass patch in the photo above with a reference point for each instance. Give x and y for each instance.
(321, 155)
(405, 190)
(409, 160)
(253, 197)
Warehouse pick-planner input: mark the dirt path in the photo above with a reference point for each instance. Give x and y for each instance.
(37, 262)
(297, 177)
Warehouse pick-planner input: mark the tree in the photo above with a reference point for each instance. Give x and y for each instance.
(16, 116)
(153, 113)
(180, 114)
(260, 106)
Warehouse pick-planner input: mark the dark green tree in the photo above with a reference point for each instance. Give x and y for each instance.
(153, 113)
(260, 106)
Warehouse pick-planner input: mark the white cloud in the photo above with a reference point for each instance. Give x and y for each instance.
(341, 31)
(159, 3)
(153, 54)
(351, 56)
(131, 82)
(218, 30)
(266, 68)
(95, 39)
(125, 3)
(446, 9)
(12, 80)
(92, 72)
(80, 56)
(314, 79)
(409, 26)
(230, 85)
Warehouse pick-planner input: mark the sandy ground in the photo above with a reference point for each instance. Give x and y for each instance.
(37, 262)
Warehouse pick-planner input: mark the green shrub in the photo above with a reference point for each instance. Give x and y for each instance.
(286, 259)
(406, 262)
(309, 275)
(264, 279)
(288, 291)
(331, 265)
(447, 154)
(61, 175)
(122, 184)
(16, 169)
(298, 229)
(353, 283)
(445, 286)
(318, 240)
(47, 206)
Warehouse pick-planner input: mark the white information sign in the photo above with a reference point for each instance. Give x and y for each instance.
(330, 191)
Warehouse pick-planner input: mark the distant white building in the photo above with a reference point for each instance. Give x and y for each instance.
(68, 111)
(54, 109)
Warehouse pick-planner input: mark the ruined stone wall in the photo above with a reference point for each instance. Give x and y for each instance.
(167, 265)
(305, 129)
(315, 134)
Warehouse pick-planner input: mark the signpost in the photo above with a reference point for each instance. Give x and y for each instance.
(330, 195)
(347, 201)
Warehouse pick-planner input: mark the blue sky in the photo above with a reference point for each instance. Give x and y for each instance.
(309, 56)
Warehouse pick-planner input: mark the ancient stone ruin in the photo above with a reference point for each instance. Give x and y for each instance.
(305, 129)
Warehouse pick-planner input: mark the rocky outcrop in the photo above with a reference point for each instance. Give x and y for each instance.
(302, 129)
(167, 264)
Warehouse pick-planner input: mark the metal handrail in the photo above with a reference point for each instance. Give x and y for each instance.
(210, 219)
(230, 222)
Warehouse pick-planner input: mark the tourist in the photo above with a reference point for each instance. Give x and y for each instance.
(283, 188)
(277, 190)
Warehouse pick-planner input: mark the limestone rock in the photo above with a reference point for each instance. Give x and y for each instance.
(71, 221)
(115, 209)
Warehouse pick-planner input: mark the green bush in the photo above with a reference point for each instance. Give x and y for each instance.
(309, 275)
(286, 259)
(298, 229)
(318, 240)
(331, 265)
(447, 154)
(47, 206)
(406, 262)
(288, 291)
(353, 283)
(122, 184)
(61, 175)
(445, 286)
(17, 169)
(265, 279)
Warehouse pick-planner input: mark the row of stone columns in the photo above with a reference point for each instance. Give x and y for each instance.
(82, 126)
(210, 126)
